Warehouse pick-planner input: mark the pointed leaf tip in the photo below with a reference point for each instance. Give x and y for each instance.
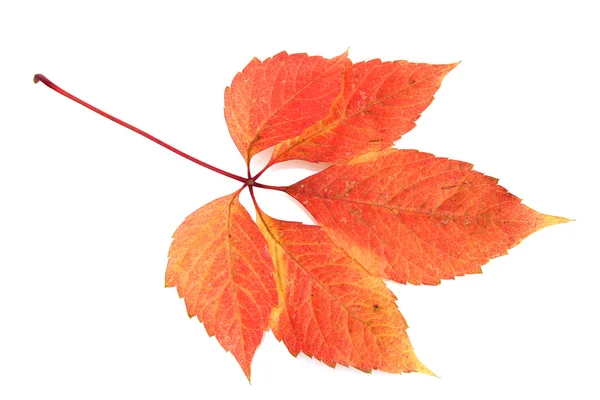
(550, 220)
(421, 368)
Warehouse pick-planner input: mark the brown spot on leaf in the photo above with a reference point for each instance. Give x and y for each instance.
(448, 187)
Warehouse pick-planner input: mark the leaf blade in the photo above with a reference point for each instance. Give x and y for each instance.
(220, 265)
(276, 99)
(411, 217)
(379, 103)
(330, 307)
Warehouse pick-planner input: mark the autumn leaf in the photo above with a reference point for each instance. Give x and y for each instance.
(330, 307)
(412, 217)
(220, 265)
(379, 103)
(402, 215)
(274, 100)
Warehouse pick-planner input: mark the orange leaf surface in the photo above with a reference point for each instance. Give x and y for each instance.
(411, 217)
(380, 102)
(221, 266)
(278, 98)
(330, 307)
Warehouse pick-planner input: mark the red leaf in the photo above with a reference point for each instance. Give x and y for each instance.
(412, 217)
(221, 267)
(330, 307)
(380, 102)
(278, 98)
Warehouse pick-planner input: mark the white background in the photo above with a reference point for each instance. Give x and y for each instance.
(88, 208)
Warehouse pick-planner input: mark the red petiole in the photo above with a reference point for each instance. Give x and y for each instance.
(247, 181)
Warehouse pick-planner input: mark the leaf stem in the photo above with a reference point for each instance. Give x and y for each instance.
(251, 189)
(39, 77)
(255, 177)
(270, 187)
